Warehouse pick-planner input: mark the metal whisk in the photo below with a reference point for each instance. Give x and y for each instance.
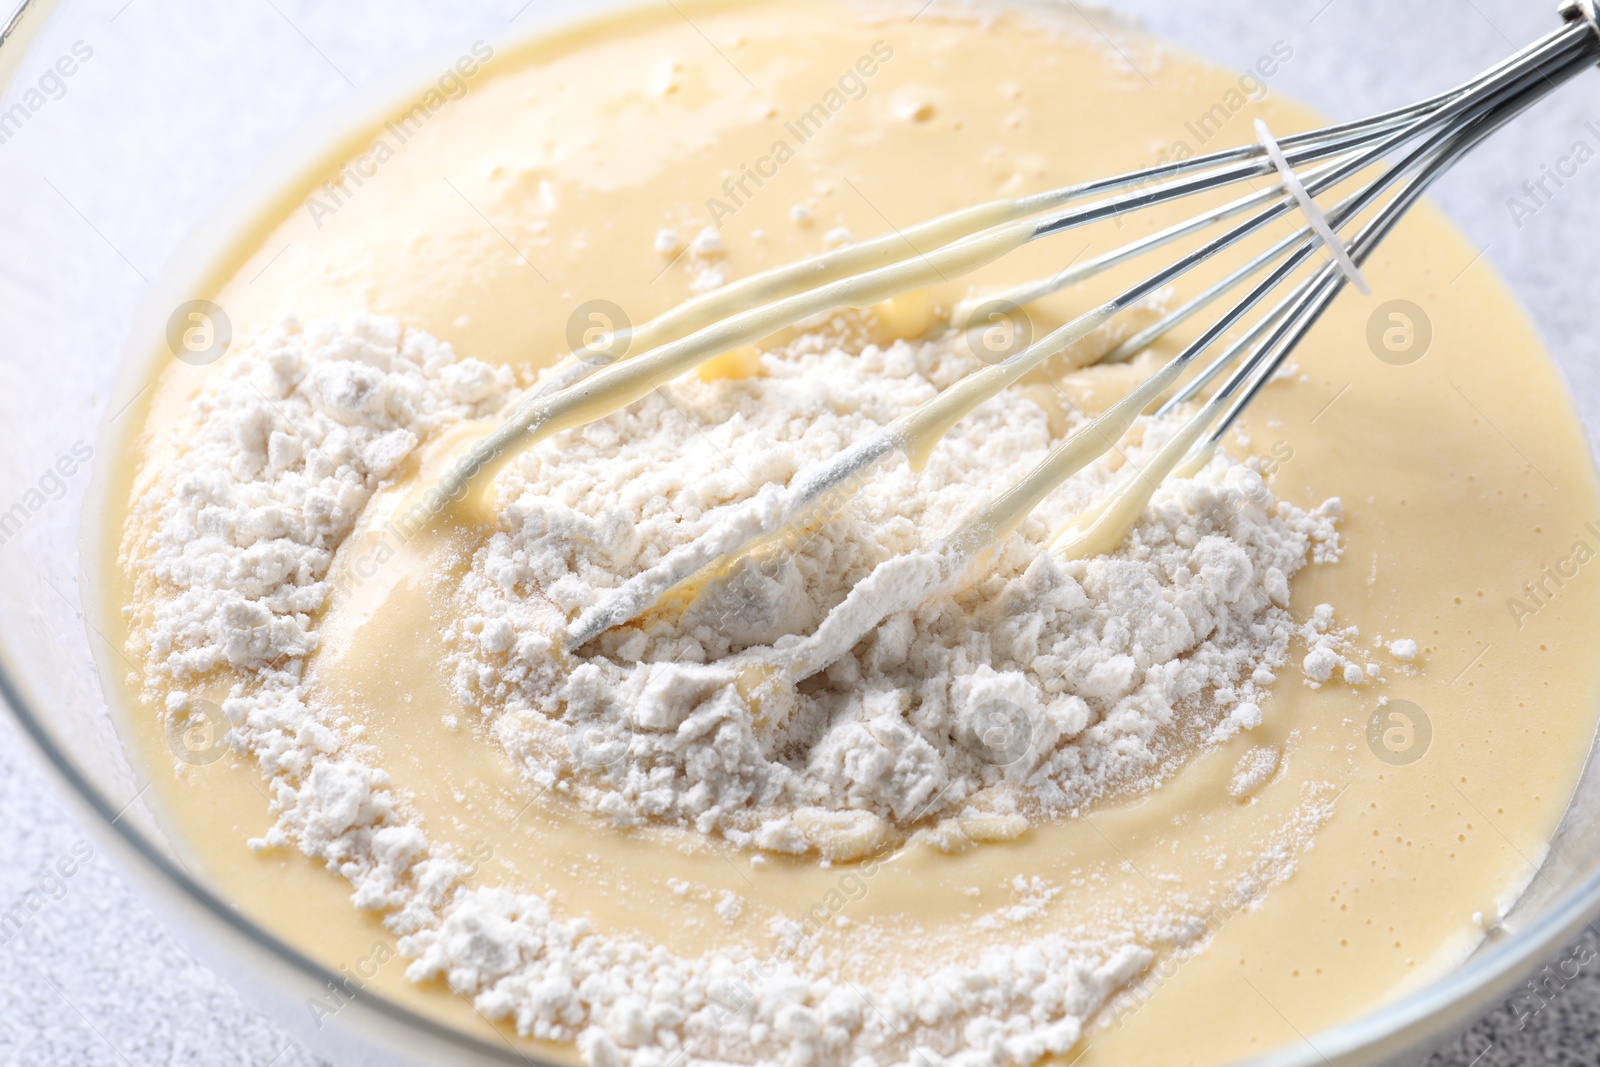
(1401, 153)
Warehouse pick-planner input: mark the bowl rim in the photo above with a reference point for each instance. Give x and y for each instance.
(1445, 1005)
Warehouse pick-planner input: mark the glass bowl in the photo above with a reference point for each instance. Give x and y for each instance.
(126, 124)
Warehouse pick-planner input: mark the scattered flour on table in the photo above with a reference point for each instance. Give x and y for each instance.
(1043, 687)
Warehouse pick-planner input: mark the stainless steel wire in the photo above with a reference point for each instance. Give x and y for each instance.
(1395, 156)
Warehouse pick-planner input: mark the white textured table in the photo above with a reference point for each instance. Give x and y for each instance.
(90, 977)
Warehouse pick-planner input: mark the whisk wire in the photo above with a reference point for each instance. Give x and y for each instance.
(1432, 135)
(1185, 451)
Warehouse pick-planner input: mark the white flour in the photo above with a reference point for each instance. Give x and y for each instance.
(1028, 696)
(230, 545)
(1042, 688)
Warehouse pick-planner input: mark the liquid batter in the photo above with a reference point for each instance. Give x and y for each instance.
(543, 185)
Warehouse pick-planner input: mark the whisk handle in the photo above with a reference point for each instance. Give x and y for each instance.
(1582, 10)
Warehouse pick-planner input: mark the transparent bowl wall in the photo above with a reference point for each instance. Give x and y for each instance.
(180, 101)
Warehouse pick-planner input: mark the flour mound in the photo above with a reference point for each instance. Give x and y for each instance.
(231, 534)
(1040, 688)
(1010, 1007)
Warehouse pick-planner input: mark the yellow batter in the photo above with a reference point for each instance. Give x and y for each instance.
(541, 184)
